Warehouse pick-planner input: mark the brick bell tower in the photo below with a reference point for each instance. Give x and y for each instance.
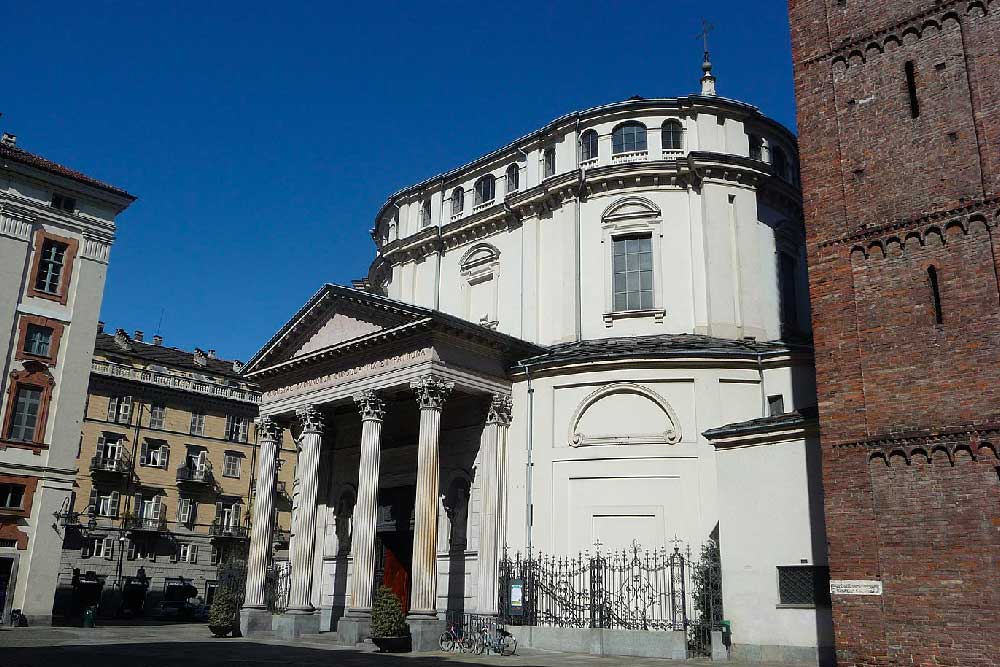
(899, 121)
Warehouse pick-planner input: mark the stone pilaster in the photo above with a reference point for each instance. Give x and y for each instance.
(431, 394)
(304, 521)
(492, 517)
(372, 410)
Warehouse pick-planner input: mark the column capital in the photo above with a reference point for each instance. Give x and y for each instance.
(431, 391)
(370, 405)
(500, 410)
(267, 429)
(311, 419)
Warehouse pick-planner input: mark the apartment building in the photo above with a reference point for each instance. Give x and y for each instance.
(165, 475)
(57, 226)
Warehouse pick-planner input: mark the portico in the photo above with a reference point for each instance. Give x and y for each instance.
(384, 401)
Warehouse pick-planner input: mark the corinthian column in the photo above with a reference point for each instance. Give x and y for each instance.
(304, 521)
(431, 394)
(372, 410)
(492, 517)
(268, 439)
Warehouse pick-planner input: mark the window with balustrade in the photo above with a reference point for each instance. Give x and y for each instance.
(628, 138)
(673, 135)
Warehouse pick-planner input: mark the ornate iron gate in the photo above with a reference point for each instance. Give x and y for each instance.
(631, 589)
(277, 586)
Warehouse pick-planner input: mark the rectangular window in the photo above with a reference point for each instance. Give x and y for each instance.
(157, 416)
(197, 423)
(911, 88)
(50, 267)
(120, 409)
(63, 203)
(775, 405)
(803, 585)
(231, 465)
(11, 496)
(236, 428)
(184, 512)
(38, 340)
(154, 453)
(24, 421)
(188, 553)
(633, 273)
(107, 505)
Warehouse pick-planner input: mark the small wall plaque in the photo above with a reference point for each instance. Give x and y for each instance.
(855, 587)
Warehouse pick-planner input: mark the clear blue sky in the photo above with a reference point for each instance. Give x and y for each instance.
(261, 138)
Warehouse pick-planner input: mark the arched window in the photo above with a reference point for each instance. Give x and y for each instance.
(513, 178)
(549, 162)
(628, 138)
(932, 278)
(457, 200)
(673, 135)
(485, 189)
(779, 160)
(588, 145)
(425, 213)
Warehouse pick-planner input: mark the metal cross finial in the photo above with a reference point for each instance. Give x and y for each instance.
(676, 542)
(706, 28)
(598, 544)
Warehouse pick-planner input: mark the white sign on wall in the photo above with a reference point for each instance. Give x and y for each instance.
(855, 587)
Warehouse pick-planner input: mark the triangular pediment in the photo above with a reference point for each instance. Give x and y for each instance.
(333, 317)
(340, 327)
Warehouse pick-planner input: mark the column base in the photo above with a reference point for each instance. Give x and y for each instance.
(293, 626)
(354, 627)
(425, 630)
(254, 620)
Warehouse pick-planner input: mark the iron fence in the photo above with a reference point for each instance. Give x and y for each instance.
(631, 589)
(277, 586)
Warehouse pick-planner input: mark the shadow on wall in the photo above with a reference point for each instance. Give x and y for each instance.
(817, 519)
(196, 654)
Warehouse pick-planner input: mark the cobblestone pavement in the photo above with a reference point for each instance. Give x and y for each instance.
(192, 645)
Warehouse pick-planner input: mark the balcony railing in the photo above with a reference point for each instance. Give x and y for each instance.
(115, 464)
(236, 532)
(174, 381)
(145, 524)
(631, 156)
(281, 536)
(195, 475)
(673, 153)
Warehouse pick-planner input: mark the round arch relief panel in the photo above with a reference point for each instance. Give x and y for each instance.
(624, 414)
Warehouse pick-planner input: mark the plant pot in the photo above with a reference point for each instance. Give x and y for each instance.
(220, 630)
(392, 644)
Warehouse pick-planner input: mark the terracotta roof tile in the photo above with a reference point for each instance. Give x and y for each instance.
(15, 154)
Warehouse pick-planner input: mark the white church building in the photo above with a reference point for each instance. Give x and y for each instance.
(593, 339)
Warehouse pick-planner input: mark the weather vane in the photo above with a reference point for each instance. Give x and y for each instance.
(706, 28)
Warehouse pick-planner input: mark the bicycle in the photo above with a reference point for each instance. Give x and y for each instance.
(499, 643)
(453, 640)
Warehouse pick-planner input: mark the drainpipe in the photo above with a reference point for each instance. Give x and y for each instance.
(578, 244)
(529, 506)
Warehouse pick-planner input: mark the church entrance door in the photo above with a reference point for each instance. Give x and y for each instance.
(394, 542)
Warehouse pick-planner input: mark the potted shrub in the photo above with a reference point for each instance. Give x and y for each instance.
(389, 630)
(222, 616)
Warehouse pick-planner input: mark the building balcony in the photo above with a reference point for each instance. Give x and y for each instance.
(232, 532)
(145, 524)
(195, 476)
(672, 153)
(119, 465)
(281, 537)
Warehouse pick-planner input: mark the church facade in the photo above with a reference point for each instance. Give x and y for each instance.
(593, 338)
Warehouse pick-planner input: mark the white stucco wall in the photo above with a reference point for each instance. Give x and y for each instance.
(770, 520)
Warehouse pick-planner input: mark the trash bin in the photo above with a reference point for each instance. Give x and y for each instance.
(89, 616)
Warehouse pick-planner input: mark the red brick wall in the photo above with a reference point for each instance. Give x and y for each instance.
(886, 196)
